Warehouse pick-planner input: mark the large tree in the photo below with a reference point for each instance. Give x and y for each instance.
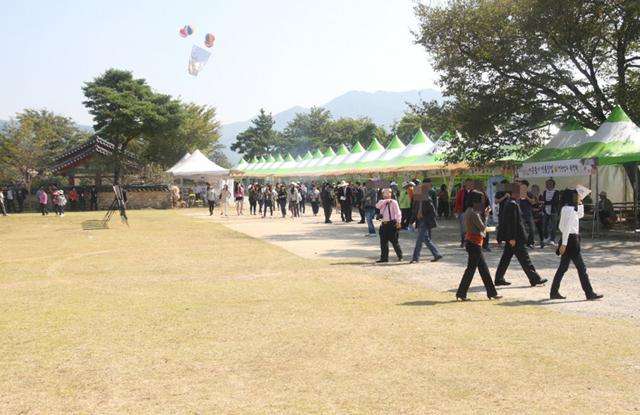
(260, 139)
(128, 113)
(198, 129)
(514, 66)
(31, 141)
(308, 130)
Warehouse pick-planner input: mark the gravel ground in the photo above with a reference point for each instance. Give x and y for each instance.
(613, 265)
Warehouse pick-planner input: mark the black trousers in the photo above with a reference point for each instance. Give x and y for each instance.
(43, 209)
(529, 227)
(3, 210)
(443, 209)
(361, 212)
(301, 206)
(520, 251)
(252, 206)
(475, 261)
(212, 204)
(315, 207)
(345, 211)
(267, 204)
(572, 254)
(389, 233)
(283, 207)
(327, 213)
(406, 217)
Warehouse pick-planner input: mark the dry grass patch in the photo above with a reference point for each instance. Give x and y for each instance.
(175, 315)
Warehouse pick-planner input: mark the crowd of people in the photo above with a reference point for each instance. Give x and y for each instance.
(50, 198)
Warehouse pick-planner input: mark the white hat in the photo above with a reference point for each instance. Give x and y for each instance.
(343, 184)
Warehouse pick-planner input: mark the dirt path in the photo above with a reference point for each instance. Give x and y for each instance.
(614, 266)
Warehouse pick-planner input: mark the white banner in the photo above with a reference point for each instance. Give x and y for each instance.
(559, 168)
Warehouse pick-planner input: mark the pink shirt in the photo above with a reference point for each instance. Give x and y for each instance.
(390, 212)
(43, 197)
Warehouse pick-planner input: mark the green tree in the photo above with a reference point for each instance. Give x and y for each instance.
(432, 117)
(307, 131)
(351, 130)
(30, 142)
(215, 152)
(260, 139)
(128, 113)
(514, 66)
(198, 129)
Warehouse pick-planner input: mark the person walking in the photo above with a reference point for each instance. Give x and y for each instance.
(425, 219)
(443, 202)
(224, 197)
(569, 249)
(475, 232)
(10, 200)
(460, 207)
(238, 194)
(211, 198)
(302, 202)
(391, 218)
(345, 199)
(526, 202)
(3, 209)
(369, 202)
(314, 199)
(404, 201)
(551, 199)
(21, 195)
(327, 199)
(293, 198)
(253, 198)
(282, 199)
(93, 204)
(43, 199)
(511, 230)
(267, 200)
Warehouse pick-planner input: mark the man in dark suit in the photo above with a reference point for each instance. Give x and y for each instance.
(511, 231)
(424, 214)
(326, 197)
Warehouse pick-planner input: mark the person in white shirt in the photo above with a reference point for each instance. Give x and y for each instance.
(211, 198)
(569, 249)
(225, 195)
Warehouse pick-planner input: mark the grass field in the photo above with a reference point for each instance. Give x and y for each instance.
(177, 315)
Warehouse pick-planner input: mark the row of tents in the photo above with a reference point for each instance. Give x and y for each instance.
(397, 156)
(572, 151)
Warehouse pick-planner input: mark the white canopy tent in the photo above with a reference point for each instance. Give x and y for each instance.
(199, 168)
(180, 162)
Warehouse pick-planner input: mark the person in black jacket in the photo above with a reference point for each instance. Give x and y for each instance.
(326, 197)
(345, 198)
(511, 231)
(424, 214)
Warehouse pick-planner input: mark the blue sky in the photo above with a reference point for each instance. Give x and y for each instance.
(273, 54)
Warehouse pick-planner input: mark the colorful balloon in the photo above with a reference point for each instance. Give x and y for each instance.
(186, 31)
(209, 39)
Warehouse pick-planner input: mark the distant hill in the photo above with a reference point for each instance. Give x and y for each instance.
(382, 107)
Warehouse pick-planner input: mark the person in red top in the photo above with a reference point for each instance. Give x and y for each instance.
(73, 198)
(475, 235)
(461, 204)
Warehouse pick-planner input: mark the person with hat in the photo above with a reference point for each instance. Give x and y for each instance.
(605, 211)
(391, 218)
(475, 232)
(424, 213)
(511, 230)
(345, 198)
(569, 249)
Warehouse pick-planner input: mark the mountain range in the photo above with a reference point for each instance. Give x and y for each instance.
(382, 107)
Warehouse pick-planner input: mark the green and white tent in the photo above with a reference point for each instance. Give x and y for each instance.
(356, 154)
(393, 150)
(242, 165)
(373, 153)
(328, 155)
(317, 156)
(340, 157)
(305, 160)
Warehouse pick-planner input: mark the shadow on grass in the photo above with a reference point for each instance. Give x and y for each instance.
(423, 303)
(545, 301)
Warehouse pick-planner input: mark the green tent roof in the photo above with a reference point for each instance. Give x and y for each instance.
(420, 138)
(329, 153)
(375, 145)
(317, 154)
(357, 148)
(572, 125)
(342, 150)
(270, 159)
(242, 160)
(279, 158)
(618, 115)
(255, 160)
(289, 157)
(262, 160)
(308, 156)
(298, 158)
(395, 143)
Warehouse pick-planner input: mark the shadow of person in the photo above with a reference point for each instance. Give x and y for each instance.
(421, 303)
(544, 301)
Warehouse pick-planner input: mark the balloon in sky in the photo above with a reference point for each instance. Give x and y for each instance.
(209, 39)
(186, 31)
(198, 59)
